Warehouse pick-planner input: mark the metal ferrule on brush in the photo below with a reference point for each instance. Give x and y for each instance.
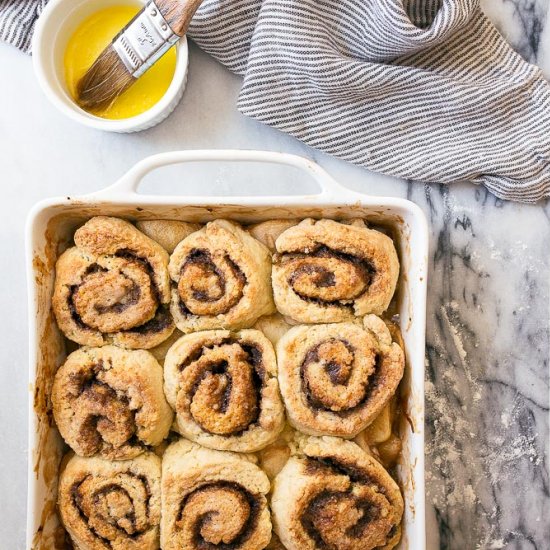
(146, 38)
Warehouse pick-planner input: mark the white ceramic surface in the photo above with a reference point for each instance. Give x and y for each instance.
(53, 30)
(330, 200)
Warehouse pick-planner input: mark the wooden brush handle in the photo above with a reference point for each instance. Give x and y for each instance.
(178, 13)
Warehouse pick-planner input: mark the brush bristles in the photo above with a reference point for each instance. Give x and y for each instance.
(104, 81)
(178, 13)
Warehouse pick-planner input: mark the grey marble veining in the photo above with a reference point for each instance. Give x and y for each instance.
(522, 22)
(488, 331)
(487, 372)
(487, 355)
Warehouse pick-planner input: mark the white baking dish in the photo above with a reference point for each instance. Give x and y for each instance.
(52, 223)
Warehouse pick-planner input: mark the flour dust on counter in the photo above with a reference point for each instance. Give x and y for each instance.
(487, 387)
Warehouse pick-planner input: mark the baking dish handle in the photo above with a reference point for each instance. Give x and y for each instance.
(129, 183)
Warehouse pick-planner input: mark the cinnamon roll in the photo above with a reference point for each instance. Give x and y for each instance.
(335, 379)
(380, 428)
(212, 499)
(267, 232)
(168, 233)
(110, 401)
(113, 287)
(381, 438)
(111, 505)
(160, 351)
(223, 386)
(331, 495)
(275, 543)
(273, 326)
(273, 457)
(221, 279)
(325, 271)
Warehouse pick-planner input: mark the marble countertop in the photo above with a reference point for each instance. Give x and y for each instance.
(488, 333)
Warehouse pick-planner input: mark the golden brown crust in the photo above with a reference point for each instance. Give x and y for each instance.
(332, 495)
(110, 401)
(273, 326)
(380, 438)
(273, 457)
(335, 379)
(222, 279)
(223, 387)
(111, 505)
(380, 428)
(275, 543)
(160, 351)
(113, 287)
(212, 499)
(326, 271)
(268, 232)
(168, 233)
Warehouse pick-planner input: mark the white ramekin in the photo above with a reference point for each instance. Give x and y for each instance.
(55, 26)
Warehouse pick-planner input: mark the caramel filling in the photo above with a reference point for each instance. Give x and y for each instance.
(335, 377)
(221, 387)
(210, 284)
(218, 515)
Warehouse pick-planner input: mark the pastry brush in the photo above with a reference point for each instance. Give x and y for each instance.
(159, 25)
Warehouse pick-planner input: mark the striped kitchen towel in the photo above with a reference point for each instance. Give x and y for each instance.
(17, 19)
(426, 90)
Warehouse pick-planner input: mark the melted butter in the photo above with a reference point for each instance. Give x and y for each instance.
(92, 36)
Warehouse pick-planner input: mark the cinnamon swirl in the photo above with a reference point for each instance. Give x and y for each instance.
(223, 386)
(212, 499)
(325, 271)
(335, 379)
(221, 279)
(331, 495)
(111, 505)
(110, 401)
(113, 287)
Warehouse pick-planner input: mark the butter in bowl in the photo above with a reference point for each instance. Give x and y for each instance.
(70, 35)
